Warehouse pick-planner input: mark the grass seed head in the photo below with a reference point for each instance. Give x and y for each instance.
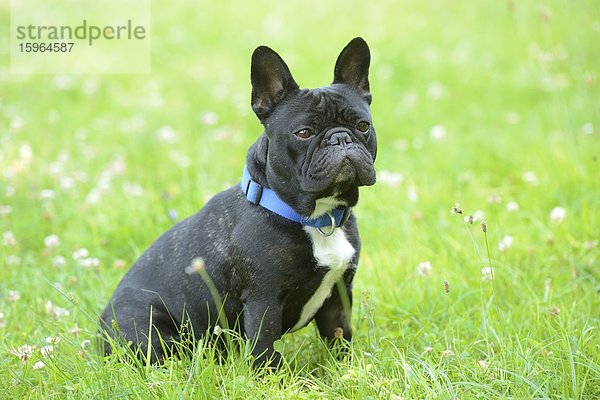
(338, 332)
(447, 353)
(554, 311)
(455, 209)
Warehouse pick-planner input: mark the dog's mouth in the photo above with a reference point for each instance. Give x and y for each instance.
(339, 171)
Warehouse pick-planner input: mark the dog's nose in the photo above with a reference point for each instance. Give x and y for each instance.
(339, 138)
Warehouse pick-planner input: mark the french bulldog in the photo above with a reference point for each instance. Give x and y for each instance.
(279, 250)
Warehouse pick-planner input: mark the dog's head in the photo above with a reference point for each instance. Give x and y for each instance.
(318, 143)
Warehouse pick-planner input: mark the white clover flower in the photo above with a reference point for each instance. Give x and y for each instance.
(26, 153)
(91, 262)
(209, 118)
(51, 241)
(424, 268)
(53, 340)
(59, 261)
(13, 260)
(62, 82)
(47, 350)
(505, 243)
(437, 133)
(13, 295)
(93, 196)
(55, 168)
(80, 176)
(38, 365)
(588, 128)
(117, 166)
(558, 214)
(2, 321)
(166, 134)
(23, 352)
(67, 182)
(512, 206)
(80, 254)
(47, 194)
(530, 177)
(196, 266)
(5, 210)
(90, 86)
(132, 189)
(389, 178)
(487, 274)
(413, 196)
(55, 311)
(484, 365)
(104, 182)
(8, 239)
(17, 122)
(478, 215)
(180, 159)
(436, 90)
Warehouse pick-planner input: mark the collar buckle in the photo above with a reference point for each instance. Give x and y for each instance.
(332, 227)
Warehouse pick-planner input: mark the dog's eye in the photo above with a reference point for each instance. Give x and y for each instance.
(304, 133)
(363, 126)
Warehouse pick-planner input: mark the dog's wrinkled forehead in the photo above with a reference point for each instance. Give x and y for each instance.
(324, 106)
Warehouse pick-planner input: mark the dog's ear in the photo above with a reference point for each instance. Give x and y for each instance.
(352, 67)
(271, 81)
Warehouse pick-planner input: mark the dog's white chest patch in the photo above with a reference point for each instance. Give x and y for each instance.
(333, 252)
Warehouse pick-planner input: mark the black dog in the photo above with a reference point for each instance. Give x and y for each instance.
(281, 249)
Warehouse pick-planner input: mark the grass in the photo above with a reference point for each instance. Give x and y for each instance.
(489, 105)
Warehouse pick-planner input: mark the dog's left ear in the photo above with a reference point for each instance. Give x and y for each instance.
(352, 67)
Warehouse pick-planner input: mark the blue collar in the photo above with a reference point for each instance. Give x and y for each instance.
(267, 198)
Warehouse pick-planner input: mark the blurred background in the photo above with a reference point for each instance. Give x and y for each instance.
(468, 99)
(494, 105)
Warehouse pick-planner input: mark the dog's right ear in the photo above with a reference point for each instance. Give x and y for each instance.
(271, 81)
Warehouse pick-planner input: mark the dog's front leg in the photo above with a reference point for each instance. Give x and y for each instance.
(262, 324)
(334, 318)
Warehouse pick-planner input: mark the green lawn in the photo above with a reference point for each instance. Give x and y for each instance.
(492, 105)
